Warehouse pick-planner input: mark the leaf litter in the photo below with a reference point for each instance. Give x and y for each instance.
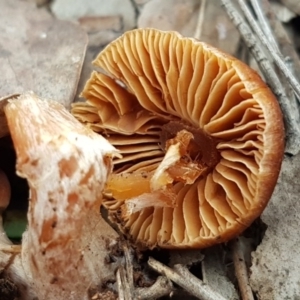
(46, 55)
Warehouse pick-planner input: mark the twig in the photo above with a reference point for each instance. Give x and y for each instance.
(288, 106)
(129, 269)
(241, 271)
(123, 285)
(199, 27)
(120, 285)
(265, 25)
(186, 280)
(284, 43)
(125, 277)
(160, 288)
(276, 55)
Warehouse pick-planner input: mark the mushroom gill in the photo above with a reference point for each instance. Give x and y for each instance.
(200, 133)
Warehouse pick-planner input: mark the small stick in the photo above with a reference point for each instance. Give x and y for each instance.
(186, 280)
(265, 25)
(123, 285)
(277, 57)
(199, 27)
(161, 287)
(284, 43)
(120, 285)
(288, 106)
(241, 271)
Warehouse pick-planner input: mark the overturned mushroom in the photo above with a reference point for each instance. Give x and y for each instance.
(200, 133)
(66, 165)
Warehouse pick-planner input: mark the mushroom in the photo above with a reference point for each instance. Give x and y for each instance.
(201, 137)
(64, 248)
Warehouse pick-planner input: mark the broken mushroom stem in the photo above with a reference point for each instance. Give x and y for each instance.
(66, 166)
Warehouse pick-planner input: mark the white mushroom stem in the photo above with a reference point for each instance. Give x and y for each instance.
(66, 166)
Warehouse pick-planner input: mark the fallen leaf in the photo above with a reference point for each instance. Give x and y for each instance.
(39, 53)
(178, 15)
(276, 262)
(214, 273)
(73, 10)
(217, 29)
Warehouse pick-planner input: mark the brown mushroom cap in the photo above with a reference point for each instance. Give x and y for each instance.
(201, 135)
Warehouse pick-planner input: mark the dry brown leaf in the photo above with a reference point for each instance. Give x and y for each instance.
(39, 53)
(276, 262)
(178, 15)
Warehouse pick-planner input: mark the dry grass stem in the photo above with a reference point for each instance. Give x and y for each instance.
(241, 271)
(199, 27)
(264, 23)
(129, 269)
(123, 285)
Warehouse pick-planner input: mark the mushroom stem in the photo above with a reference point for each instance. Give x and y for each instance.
(181, 276)
(66, 166)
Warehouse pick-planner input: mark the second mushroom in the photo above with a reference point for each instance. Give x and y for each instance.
(201, 136)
